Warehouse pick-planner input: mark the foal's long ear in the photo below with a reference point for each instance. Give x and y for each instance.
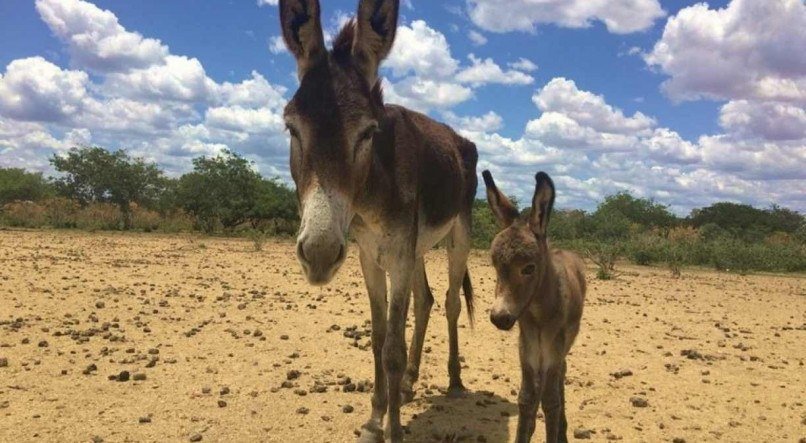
(376, 24)
(504, 211)
(542, 204)
(302, 32)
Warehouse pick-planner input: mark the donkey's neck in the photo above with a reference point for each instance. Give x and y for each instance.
(546, 304)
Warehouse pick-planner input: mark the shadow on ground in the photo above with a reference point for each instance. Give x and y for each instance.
(478, 416)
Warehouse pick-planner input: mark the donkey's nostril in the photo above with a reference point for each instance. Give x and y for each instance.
(340, 257)
(301, 252)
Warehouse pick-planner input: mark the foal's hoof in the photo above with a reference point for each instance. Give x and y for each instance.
(457, 391)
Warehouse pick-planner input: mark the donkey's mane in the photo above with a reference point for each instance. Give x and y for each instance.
(343, 51)
(343, 43)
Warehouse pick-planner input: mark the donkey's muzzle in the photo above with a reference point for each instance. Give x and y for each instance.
(503, 320)
(320, 258)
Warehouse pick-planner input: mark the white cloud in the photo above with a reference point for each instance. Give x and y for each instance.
(592, 149)
(485, 71)
(562, 95)
(426, 76)
(277, 45)
(95, 39)
(179, 78)
(751, 49)
(37, 90)
(267, 2)
(421, 50)
(767, 120)
(424, 95)
(159, 105)
(477, 38)
(485, 123)
(523, 64)
(620, 16)
(240, 119)
(254, 92)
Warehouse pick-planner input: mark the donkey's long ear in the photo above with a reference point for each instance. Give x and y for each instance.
(504, 211)
(376, 24)
(302, 32)
(542, 204)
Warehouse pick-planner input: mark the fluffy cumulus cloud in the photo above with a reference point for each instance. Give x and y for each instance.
(95, 39)
(751, 49)
(426, 76)
(140, 96)
(594, 149)
(35, 89)
(746, 54)
(620, 16)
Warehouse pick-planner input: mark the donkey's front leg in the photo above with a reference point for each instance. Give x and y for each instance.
(551, 400)
(394, 348)
(375, 279)
(528, 399)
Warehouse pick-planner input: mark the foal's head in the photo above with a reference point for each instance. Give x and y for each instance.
(520, 252)
(332, 120)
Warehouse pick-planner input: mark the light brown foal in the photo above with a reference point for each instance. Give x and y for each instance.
(398, 180)
(543, 289)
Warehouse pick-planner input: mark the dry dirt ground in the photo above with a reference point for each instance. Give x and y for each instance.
(223, 343)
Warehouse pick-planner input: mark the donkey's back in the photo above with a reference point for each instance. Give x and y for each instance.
(444, 161)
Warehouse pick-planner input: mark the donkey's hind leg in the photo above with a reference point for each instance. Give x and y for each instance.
(423, 300)
(458, 247)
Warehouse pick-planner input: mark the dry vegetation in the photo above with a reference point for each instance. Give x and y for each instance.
(220, 341)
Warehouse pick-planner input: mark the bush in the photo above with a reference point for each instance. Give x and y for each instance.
(604, 255)
(99, 217)
(61, 212)
(23, 214)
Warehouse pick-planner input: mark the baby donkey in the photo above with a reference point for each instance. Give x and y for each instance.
(543, 289)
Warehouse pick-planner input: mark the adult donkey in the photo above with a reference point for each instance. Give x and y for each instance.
(399, 181)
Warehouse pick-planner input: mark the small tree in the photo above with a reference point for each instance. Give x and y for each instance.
(94, 174)
(20, 185)
(275, 202)
(222, 189)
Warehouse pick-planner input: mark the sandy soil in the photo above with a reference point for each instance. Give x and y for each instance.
(210, 331)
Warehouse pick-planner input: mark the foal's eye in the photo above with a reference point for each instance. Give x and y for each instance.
(528, 270)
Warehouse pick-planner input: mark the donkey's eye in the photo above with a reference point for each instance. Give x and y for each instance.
(528, 270)
(367, 133)
(292, 131)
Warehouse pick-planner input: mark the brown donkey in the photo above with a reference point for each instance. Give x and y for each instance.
(543, 289)
(397, 180)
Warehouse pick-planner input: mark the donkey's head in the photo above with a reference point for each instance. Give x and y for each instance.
(520, 252)
(332, 120)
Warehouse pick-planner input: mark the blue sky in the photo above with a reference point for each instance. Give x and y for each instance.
(682, 102)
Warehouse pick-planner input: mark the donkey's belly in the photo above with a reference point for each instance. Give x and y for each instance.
(429, 236)
(384, 247)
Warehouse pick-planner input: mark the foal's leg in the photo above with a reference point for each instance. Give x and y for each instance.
(394, 348)
(458, 251)
(551, 399)
(553, 388)
(528, 399)
(423, 300)
(375, 279)
(563, 421)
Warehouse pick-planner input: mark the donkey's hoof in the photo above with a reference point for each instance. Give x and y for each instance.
(370, 433)
(406, 395)
(457, 391)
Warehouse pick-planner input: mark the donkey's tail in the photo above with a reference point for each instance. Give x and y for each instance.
(467, 288)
